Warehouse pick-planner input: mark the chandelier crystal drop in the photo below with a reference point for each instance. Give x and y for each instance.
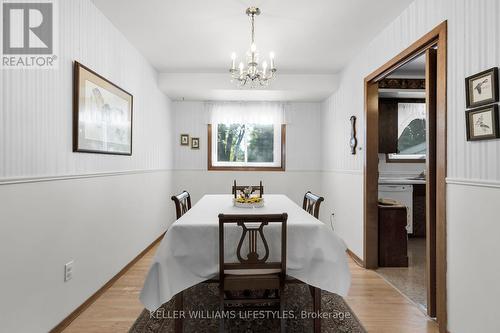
(253, 75)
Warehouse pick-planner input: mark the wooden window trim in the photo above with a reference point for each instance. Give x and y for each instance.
(226, 168)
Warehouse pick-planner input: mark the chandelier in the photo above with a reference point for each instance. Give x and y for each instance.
(252, 75)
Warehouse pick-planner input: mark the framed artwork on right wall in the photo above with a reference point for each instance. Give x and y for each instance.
(482, 88)
(482, 123)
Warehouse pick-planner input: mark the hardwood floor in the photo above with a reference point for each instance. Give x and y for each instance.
(380, 307)
(383, 309)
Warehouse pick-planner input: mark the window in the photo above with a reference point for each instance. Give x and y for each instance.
(412, 144)
(245, 141)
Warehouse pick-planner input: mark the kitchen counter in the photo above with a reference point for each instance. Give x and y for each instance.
(401, 181)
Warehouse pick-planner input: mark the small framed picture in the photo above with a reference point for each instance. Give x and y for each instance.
(482, 123)
(184, 139)
(195, 143)
(482, 88)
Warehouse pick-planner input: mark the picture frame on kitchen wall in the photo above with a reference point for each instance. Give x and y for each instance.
(483, 123)
(482, 88)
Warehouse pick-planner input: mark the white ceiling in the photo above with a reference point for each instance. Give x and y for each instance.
(411, 70)
(198, 36)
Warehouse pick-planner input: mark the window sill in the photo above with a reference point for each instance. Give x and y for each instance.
(254, 169)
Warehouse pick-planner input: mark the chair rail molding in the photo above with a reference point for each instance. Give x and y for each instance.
(473, 182)
(21, 180)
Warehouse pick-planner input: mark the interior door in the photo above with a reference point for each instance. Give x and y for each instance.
(431, 92)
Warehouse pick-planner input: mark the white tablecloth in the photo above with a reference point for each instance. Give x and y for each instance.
(188, 254)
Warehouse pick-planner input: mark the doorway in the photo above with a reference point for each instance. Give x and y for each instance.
(432, 46)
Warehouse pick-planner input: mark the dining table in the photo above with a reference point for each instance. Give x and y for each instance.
(188, 253)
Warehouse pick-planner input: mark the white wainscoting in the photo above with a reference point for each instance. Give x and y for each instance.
(100, 223)
(473, 268)
(343, 192)
(473, 46)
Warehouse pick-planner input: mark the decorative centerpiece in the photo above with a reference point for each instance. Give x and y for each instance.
(245, 200)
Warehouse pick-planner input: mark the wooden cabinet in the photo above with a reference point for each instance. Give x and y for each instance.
(419, 213)
(388, 125)
(392, 236)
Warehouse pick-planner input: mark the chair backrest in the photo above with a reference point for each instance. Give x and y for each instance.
(311, 203)
(182, 203)
(252, 228)
(237, 189)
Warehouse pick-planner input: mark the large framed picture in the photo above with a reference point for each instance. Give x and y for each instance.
(482, 88)
(482, 123)
(102, 114)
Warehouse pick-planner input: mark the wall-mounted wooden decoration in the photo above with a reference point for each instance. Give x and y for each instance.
(354, 141)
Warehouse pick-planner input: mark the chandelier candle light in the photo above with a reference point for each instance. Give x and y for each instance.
(252, 75)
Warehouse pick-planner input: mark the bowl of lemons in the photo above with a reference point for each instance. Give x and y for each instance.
(248, 202)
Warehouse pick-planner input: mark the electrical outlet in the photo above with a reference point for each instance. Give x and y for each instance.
(68, 271)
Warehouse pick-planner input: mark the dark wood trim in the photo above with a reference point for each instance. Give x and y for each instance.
(430, 205)
(76, 101)
(356, 259)
(436, 37)
(396, 83)
(441, 167)
(78, 311)
(370, 180)
(413, 51)
(210, 167)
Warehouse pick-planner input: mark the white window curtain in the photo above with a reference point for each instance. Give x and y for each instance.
(265, 113)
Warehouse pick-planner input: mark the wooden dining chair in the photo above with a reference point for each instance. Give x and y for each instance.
(253, 271)
(182, 203)
(311, 204)
(237, 189)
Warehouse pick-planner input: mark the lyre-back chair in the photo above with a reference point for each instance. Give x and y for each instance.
(182, 203)
(237, 189)
(311, 204)
(253, 271)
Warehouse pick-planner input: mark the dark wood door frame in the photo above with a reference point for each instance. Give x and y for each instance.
(437, 38)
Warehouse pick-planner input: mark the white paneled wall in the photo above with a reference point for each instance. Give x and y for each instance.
(66, 213)
(473, 46)
(36, 105)
(302, 155)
